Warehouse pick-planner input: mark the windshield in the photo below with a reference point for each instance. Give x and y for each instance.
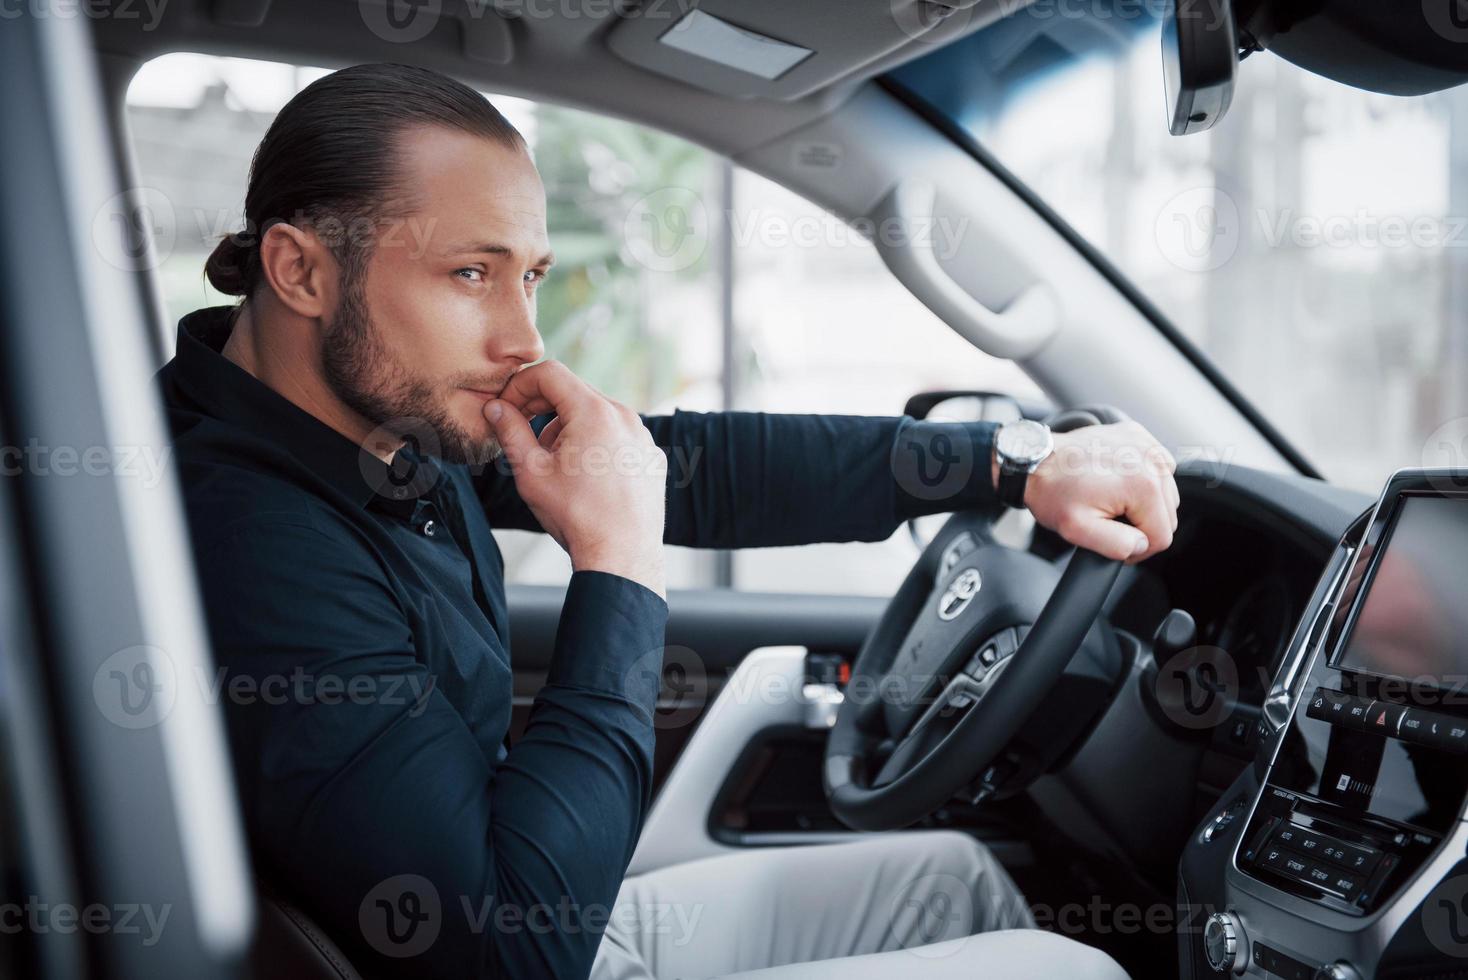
(1312, 243)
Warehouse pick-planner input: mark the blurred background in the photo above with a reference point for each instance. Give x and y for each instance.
(1313, 243)
(783, 308)
(1335, 302)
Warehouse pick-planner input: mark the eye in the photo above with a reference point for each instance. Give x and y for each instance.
(470, 274)
(535, 277)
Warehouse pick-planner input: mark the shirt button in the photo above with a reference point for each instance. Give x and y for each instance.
(429, 528)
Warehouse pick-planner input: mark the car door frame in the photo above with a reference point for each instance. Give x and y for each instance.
(123, 811)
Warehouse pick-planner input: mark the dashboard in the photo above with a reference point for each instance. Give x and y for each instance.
(1243, 569)
(1338, 851)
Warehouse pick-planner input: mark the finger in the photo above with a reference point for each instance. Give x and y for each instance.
(514, 433)
(551, 432)
(547, 387)
(1149, 512)
(1174, 498)
(1169, 503)
(1105, 536)
(532, 407)
(1165, 460)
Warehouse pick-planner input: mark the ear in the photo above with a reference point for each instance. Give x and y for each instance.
(299, 269)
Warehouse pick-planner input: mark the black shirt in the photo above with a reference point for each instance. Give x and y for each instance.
(358, 620)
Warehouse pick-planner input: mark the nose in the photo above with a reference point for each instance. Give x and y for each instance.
(513, 334)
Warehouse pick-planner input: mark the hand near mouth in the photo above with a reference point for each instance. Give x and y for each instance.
(594, 478)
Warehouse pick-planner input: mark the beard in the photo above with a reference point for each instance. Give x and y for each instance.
(379, 387)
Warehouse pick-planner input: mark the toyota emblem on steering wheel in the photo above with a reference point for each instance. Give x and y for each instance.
(960, 593)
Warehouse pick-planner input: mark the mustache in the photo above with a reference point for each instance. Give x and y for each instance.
(494, 384)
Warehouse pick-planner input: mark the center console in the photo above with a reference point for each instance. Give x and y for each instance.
(1320, 860)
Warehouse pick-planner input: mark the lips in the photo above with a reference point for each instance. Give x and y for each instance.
(482, 394)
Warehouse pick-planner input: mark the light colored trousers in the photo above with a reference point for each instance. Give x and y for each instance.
(931, 905)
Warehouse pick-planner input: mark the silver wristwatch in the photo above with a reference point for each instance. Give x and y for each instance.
(1020, 447)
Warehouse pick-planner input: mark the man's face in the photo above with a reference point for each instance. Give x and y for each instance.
(445, 312)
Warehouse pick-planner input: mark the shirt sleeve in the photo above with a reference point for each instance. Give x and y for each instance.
(753, 479)
(371, 801)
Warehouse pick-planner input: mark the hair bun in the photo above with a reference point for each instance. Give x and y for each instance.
(225, 267)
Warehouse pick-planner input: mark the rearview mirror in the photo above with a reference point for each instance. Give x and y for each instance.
(973, 406)
(1200, 57)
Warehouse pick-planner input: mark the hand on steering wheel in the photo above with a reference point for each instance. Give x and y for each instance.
(980, 637)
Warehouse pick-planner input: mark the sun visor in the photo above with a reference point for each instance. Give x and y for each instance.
(773, 48)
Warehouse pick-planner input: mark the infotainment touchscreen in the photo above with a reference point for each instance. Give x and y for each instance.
(1368, 762)
(1365, 746)
(1413, 621)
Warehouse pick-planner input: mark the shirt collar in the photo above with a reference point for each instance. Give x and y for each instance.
(225, 391)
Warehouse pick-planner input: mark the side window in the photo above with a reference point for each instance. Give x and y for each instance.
(681, 282)
(822, 326)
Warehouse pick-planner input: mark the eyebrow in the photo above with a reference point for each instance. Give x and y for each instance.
(492, 248)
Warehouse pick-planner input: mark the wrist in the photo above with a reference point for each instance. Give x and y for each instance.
(1030, 482)
(1021, 447)
(644, 567)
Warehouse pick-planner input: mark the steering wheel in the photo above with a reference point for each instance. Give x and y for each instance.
(959, 662)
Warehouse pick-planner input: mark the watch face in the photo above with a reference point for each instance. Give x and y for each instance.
(1023, 441)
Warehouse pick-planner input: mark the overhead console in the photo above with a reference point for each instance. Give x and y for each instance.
(1320, 858)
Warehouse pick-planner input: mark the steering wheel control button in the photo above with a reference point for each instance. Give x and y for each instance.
(980, 663)
(953, 554)
(1224, 943)
(995, 648)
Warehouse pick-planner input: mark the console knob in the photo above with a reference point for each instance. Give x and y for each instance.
(1339, 970)
(1223, 943)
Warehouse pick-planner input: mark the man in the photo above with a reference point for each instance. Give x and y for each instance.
(334, 433)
